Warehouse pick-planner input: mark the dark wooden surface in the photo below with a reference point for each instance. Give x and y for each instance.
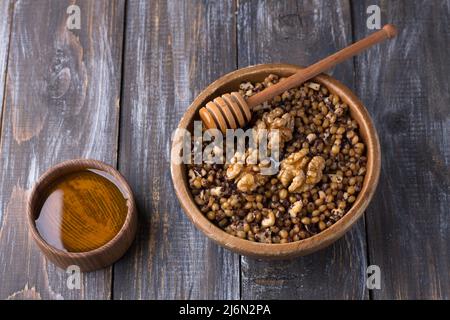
(115, 89)
(405, 86)
(61, 101)
(173, 49)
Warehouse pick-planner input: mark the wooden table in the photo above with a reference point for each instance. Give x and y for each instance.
(115, 90)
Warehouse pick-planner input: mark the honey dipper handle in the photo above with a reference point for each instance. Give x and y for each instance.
(387, 32)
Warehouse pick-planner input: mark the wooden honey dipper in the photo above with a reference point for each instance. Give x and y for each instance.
(231, 110)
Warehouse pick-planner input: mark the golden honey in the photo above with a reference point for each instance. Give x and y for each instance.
(82, 211)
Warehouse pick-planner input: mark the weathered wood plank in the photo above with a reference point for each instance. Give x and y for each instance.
(6, 7)
(301, 32)
(61, 101)
(173, 50)
(404, 84)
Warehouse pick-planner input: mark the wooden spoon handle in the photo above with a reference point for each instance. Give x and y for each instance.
(388, 31)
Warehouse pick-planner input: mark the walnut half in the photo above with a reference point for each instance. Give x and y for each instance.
(277, 119)
(245, 173)
(292, 171)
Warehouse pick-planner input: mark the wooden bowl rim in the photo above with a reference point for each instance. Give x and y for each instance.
(73, 165)
(305, 246)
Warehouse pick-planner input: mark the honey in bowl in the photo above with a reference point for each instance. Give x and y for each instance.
(82, 211)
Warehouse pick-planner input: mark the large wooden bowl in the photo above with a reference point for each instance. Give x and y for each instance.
(229, 83)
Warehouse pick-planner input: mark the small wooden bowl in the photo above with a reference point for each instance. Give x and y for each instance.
(229, 83)
(89, 260)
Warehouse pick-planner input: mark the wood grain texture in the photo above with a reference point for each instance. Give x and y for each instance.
(405, 84)
(6, 7)
(173, 50)
(302, 32)
(61, 101)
